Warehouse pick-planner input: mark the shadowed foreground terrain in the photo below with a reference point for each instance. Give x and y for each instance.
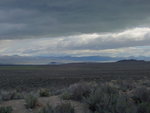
(63, 75)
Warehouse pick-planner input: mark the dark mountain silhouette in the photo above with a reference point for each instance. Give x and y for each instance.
(131, 61)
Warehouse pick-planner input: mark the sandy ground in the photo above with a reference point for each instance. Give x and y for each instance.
(19, 105)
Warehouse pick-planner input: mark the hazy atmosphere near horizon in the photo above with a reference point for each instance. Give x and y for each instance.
(111, 28)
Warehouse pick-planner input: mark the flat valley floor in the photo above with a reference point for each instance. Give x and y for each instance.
(59, 76)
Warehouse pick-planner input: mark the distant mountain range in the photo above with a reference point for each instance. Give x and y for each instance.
(4, 60)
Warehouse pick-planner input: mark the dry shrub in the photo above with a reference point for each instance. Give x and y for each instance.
(107, 99)
(44, 92)
(6, 109)
(80, 90)
(31, 101)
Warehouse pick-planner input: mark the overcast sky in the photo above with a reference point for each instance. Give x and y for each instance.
(75, 27)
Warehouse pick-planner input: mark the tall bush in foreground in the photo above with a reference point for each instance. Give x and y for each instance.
(64, 108)
(141, 97)
(31, 101)
(144, 107)
(78, 91)
(102, 99)
(6, 109)
(107, 99)
(125, 105)
(47, 109)
(141, 94)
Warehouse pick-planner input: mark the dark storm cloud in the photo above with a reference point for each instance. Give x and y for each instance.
(48, 18)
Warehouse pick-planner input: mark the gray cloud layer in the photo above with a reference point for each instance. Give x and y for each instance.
(42, 18)
(131, 42)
